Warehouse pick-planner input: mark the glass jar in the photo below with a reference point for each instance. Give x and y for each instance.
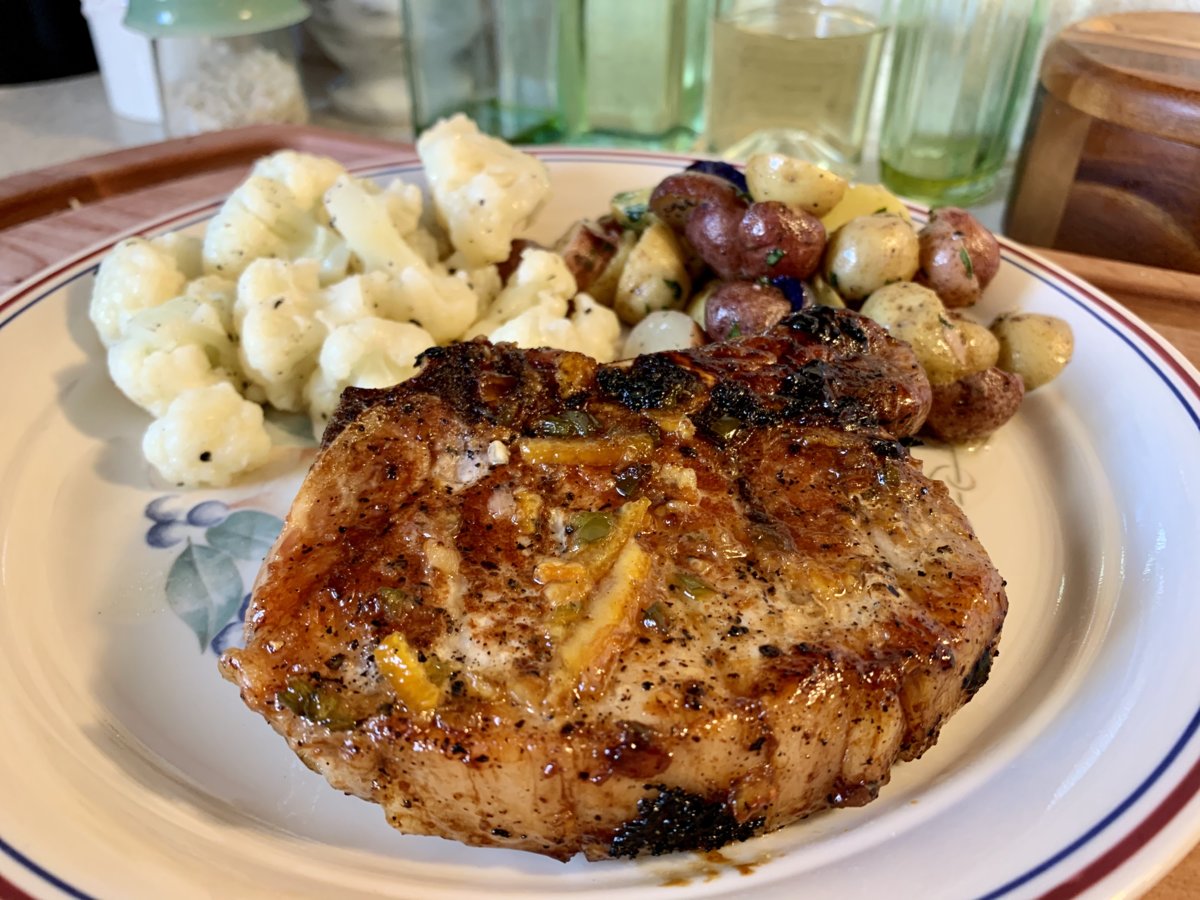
(623, 72)
(224, 63)
(364, 39)
(1110, 162)
(795, 77)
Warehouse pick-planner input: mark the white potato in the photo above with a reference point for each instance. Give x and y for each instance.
(794, 182)
(604, 288)
(1034, 346)
(667, 329)
(868, 252)
(983, 349)
(864, 200)
(655, 276)
(914, 314)
(697, 307)
(824, 294)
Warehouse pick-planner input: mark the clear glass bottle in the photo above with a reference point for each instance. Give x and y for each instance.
(224, 63)
(629, 72)
(795, 77)
(495, 60)
(960, 74)
(643, 74)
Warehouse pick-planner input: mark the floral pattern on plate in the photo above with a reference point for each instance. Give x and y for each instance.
(206, 584)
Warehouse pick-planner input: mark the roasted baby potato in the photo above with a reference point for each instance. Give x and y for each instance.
(973, 407)
(914, 314)
(587, 251)
(864, 200)
(869, 252)
(654, 277)
(777, 241)
(677, 196)
(824, 294)
(604, 288)
(667, 329)
(698, 305)
(631, 209)
(712, 232)
(737, 308)
(959, 257)
(982, 347)
(1034, 346)
(794, 182)
(767, 241)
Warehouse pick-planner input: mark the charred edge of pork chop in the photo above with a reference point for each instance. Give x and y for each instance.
(856, 612)
(817, 363)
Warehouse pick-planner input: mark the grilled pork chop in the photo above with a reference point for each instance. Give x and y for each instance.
(529, 601)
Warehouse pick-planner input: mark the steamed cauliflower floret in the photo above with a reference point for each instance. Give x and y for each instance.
(207, 437)
(307, 177)
(372, 294)
(135, 275)
(541, 273)
(369, 353)
(262, 219)
(439, 302)
(485, 282)
(590, 328)
(186, 249)
(276, 315)
(484, 190)
(172, 348)
(404, 203)
(219, 293)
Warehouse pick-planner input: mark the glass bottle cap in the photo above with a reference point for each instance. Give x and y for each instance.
(212, 18)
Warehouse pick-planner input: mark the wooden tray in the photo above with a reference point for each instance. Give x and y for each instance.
(47, 215)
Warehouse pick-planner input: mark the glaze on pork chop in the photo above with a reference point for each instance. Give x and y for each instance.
(525, 600)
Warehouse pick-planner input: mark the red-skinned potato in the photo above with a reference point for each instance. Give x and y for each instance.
(778, 240)
(958, 256)
(738, 308)
(767, 240)
(973, 407)
(587, 251)
(712, 231)
(677, 196)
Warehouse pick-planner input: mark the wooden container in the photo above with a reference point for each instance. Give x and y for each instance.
(1111, 163)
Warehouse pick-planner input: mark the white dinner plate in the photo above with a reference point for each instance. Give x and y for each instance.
(131, 769)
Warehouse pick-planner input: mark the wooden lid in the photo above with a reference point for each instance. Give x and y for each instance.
(1139, 70)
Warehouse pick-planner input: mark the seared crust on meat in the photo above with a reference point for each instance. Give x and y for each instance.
(528, 601)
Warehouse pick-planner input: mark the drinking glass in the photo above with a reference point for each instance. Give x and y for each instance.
(959, 75)
(628, 72)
